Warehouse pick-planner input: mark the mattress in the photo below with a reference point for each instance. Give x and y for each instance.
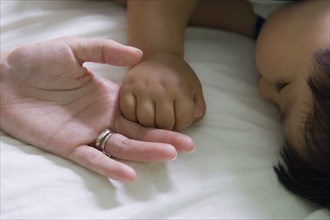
(228, 176)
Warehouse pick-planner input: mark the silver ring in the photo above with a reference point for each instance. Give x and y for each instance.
(102, 140)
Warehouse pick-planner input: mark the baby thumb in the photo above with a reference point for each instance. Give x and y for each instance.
(200, 107)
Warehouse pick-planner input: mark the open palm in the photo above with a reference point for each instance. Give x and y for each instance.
(48, 99)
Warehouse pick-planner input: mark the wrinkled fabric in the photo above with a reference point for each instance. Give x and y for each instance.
(228, 176)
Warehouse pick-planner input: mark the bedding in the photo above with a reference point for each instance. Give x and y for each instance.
(228, 176)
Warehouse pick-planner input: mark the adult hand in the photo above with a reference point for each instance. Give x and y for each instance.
(48, 99)
(162, 91)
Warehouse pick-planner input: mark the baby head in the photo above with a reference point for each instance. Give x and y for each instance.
(293, 58)
(307, 170)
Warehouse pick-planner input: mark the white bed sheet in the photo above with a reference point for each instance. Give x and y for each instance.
(228, 176)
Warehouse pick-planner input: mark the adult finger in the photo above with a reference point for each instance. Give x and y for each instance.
(96, 161)
(122, 147)
(135, 131)
(103, 51)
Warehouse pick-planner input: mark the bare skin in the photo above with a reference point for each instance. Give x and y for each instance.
(284, 53)
(162, 90)
(282, 56)
(49, 100)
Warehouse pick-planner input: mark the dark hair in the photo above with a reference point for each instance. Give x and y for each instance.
(310, 177)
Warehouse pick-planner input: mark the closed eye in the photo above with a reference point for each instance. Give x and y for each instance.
(280, 85)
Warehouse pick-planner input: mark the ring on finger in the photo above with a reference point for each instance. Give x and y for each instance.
(101, 141)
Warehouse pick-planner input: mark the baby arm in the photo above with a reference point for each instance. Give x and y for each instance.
(161, 90)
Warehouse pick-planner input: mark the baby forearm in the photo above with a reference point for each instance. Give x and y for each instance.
(159, 26)
(234, 16)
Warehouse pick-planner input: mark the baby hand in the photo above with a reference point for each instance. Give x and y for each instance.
(162, 91)
(50, 100)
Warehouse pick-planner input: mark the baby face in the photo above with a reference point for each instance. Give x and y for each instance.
(284, 57)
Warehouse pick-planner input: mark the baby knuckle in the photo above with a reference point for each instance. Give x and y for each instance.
(166, 125)
(146, 120)
(126, 105)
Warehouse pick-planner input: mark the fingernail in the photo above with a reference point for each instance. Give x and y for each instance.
(174, 157)
(192, 150)
(137, 50)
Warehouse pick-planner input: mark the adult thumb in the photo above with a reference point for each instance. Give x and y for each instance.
(103, 51)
